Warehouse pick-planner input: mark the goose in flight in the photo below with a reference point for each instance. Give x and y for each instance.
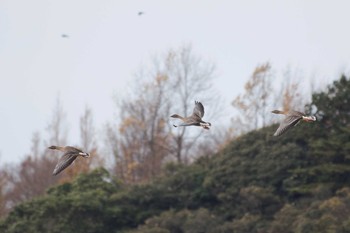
(196, 117)
(70, 154)
(292, 119)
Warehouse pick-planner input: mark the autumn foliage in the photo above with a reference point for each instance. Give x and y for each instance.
(257, 183)
(152, 177)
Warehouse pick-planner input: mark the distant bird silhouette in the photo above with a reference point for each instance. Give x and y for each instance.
(195, 119)
(65, 36)
(292, 119)
(140, 13)
(70, 154)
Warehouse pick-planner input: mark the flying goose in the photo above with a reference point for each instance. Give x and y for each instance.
(70, 154)
(196, 117)
(292, 119)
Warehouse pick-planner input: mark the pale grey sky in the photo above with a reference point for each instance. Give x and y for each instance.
(108, 42)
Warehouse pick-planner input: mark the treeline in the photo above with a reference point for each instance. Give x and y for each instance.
(141, 141)
(258, 183)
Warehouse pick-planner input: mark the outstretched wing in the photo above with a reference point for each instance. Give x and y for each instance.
(198, 110)
(66, 160)
(288, 122)
(71, 149)
(295, 113)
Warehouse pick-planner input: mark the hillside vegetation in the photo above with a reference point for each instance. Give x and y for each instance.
(298, 182)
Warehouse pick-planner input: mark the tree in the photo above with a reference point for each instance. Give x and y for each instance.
(88, 142)
(57, 129)
(112, 147)
(332, 105)
(87, 131)
(252, 105)
(329, 158)
(191, 79)
(31, 177)
(198, 221)
(88, 139)
(64, 207)
(57, 134)
(3, 185)
(143, 134)
(332, 110)
(257, 183)
(146, 135)
(292, 98)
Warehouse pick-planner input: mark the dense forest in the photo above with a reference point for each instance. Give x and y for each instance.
(298, 182)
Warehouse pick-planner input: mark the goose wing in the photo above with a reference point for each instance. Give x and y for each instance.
(70, 149)
(288, 122)
(66, 160)
(295, 113)
(198, 110)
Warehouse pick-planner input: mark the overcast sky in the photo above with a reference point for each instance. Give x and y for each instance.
(108, 42)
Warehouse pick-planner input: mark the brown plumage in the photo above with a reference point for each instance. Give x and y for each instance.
(70, 154)
(195, 119)
(292, 119)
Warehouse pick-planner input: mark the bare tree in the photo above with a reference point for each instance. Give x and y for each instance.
(88, 138)
(191, 79)
(57, 134)
(112, 146)
(87, 130)
(88, 144)
(57, 129)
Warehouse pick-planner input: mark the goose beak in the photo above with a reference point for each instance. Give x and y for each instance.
(309, 118)
(85, 155)
(205, 125)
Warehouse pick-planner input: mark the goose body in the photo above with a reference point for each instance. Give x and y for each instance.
(70, 154)
(292, 119)
(195, 119)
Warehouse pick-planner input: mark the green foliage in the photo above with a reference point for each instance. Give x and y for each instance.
(329, 215)
(81, 206)
(184, 221)
(259, 183)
